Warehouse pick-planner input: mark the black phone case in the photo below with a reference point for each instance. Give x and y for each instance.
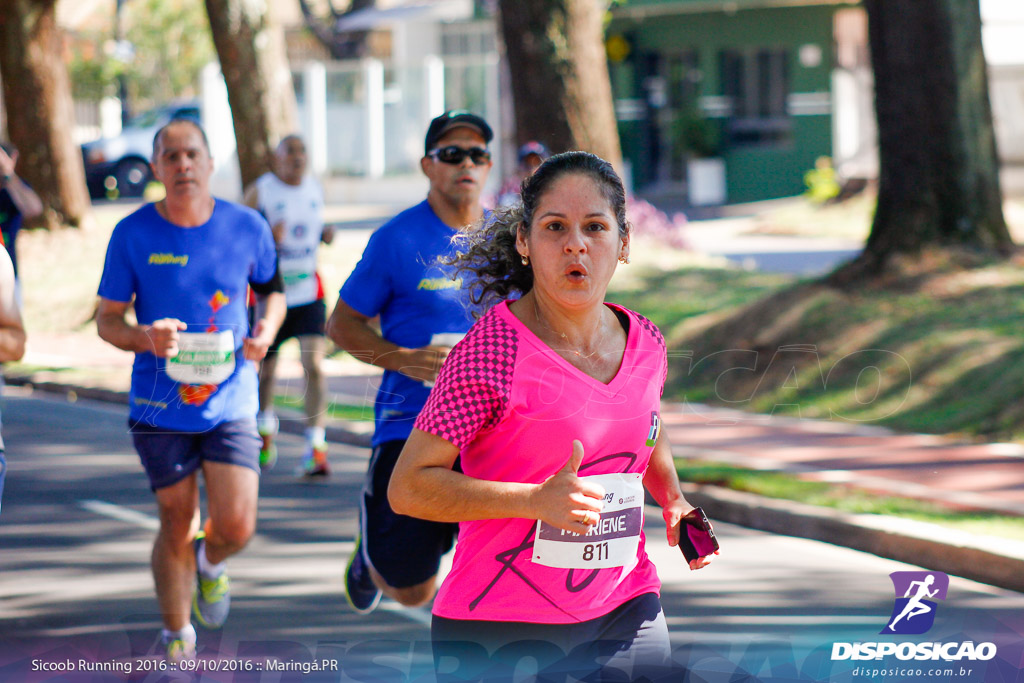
(696, 536)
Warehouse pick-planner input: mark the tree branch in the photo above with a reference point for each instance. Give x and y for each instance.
(323, 33)
(341, 45)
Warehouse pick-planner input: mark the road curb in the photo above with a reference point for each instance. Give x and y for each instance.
(336, 430)
(291, 423)
(895, 538)
(71, 391)
(960, 554)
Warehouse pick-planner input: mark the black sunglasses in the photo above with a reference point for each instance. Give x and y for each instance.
(453, 154)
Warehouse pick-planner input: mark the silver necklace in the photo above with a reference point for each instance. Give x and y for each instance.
(565, 338)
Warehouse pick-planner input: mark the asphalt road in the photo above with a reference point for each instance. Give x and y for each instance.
(792, 254)
(75, 588)
(796, 262)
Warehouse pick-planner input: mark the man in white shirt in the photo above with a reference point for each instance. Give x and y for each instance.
(292, 202)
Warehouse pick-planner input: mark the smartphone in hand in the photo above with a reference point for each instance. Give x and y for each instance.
(696, 537)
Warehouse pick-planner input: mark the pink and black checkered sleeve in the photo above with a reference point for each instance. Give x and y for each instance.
(473, 389)
(649, 328)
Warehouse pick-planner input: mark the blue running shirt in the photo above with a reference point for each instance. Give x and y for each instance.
(198, 275)
(398, 278)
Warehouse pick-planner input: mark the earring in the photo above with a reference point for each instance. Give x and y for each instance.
(624, 259)
(526, 260)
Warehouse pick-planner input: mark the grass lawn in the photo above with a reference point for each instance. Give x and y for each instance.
(337, 411)
(846, 498)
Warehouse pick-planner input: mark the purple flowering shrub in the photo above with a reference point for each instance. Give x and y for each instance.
(650, 221)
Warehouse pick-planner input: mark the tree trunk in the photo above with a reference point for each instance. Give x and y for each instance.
(939, 172)
(561, 91)
(259, 83)
(40, 114)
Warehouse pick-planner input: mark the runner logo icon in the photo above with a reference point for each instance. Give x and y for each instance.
(912, 612)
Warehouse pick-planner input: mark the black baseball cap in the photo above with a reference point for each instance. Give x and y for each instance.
(454, 118)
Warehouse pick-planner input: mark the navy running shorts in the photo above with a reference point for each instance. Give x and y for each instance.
(169, 456)
(3, 473)
(406, 551)
(630, 643)
(301, 321)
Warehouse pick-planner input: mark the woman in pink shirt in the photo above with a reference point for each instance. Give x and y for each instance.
(551, 407)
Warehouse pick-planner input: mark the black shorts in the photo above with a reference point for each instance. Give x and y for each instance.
(168, 456)
(629, 643)
(301, 321)
(405, 550)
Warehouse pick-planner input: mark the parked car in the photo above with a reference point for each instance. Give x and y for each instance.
(121, 163)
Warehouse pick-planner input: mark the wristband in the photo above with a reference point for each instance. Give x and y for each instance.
(7, 179)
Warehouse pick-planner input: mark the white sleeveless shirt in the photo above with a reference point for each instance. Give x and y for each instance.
(301, 209)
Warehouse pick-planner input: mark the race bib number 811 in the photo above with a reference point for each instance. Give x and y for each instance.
(612, 542)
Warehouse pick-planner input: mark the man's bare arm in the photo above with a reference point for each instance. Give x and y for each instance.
(12, 329)
(23, 196)
(159, 338)
(351, 331)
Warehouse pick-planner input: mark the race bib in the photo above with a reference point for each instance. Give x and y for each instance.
(203, 358)
(300, 284)
(444, 339)
(612, 542)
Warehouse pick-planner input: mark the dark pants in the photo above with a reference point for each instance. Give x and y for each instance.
(406, 551)
(168, 456)
(628, 644)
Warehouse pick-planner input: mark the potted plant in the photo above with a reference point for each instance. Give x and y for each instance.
(705, 169)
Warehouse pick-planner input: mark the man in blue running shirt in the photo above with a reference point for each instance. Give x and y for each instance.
(185, 263)
(423, 312)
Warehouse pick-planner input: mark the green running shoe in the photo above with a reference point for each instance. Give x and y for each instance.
(212, 599)
(178, 650)
(268, 452)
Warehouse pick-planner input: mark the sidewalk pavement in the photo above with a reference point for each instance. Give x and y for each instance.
(959, 475)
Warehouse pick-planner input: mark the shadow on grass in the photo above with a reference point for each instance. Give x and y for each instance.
(936, 352)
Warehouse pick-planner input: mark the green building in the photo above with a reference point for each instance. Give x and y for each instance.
(764, 86)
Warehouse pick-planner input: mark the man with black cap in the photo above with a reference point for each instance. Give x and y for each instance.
(531, 155)
(423, 312)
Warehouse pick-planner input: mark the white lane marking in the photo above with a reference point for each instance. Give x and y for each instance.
(417, 614)
(99, 507)
(121, 513)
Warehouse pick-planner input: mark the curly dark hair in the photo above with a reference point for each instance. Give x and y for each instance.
(488, 251)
